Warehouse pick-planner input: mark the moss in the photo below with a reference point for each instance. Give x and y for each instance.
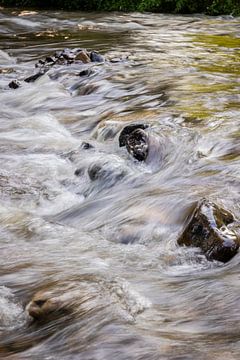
(224, 68)
(212, 88)
(226, 63)
(195, 113)
(227, 41)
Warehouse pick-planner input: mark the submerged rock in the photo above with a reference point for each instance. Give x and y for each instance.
(212, 229)
(86, 145)
(85, 298)
(47, 305)
(107, 170)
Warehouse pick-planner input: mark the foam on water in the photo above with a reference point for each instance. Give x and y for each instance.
(12, 314)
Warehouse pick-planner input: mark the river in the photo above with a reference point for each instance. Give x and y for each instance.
(107, 247)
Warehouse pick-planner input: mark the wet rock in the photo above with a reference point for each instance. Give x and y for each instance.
(34, 77)
(70, 56)
(79, 172)
(83, 56)
(43, 305)
(86, 72)
(109, 170)
(126, 132)
(86, 298)
(213, 230)
(142, 145)
(6, 71)
(50, 59)
(95, 172)
(56, 302)
(129, 234)
(15, 84)
(96, 57)
(75, 154)
(137, 144)
(64, 58)
(85, 145)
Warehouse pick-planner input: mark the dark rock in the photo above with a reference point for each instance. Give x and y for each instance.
(79, 172)
(86, 72)
(137, 144)
(86, 145)
(67, 55)
(34, 77)
(107, 170)
(95, 172)
(127, 130)
(70, 56)
(50, 59)
(40, 62)
(211, 228)
(95, 57)
(143, 145)
(15, 84)
(64, 58)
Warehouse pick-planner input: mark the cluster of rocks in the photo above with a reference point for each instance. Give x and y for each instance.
(61, 58)
(70, 56)
(209, 227)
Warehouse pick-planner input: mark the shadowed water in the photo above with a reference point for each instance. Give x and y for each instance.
(100, 243)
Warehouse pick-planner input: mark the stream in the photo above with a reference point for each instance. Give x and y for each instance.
(106, 246)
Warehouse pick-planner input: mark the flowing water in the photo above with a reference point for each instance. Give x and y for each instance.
(106, 246)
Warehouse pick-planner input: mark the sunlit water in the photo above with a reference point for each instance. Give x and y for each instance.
(110, 244)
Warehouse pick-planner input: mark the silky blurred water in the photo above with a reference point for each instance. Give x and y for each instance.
(109, 244)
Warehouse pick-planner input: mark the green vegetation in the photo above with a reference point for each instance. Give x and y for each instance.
(211, 7)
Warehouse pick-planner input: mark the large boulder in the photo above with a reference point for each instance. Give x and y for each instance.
(212, 229)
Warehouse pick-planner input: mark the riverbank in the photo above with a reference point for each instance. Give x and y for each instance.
(209, 7)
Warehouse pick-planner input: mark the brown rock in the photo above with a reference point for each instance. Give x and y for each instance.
(82, 56)
(213, 229)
